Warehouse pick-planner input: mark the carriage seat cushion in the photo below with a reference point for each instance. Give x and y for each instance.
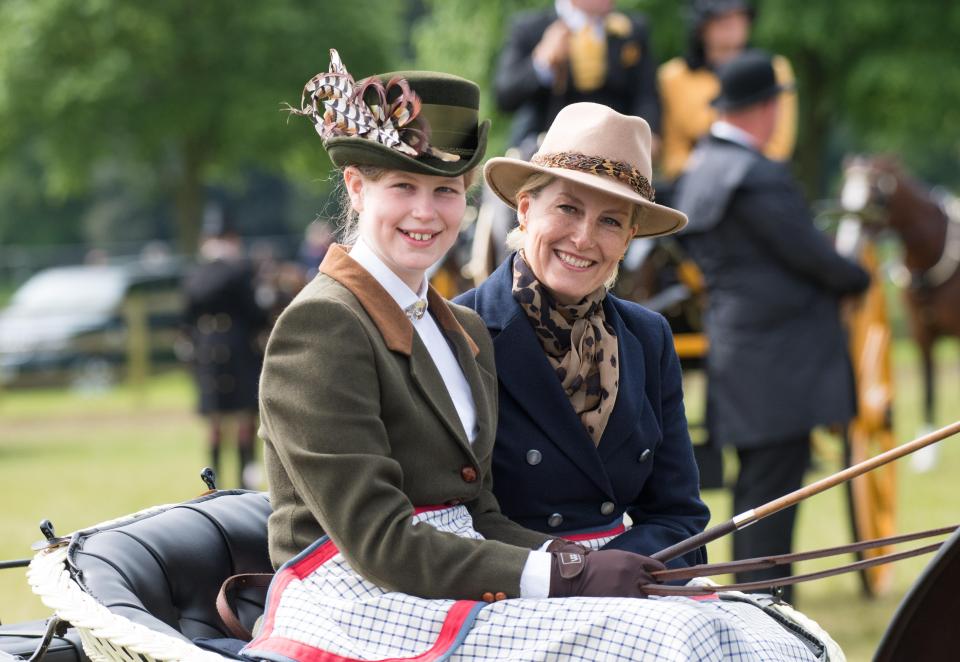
(164, 569)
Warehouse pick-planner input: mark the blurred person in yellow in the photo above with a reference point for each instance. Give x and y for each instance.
(719, 31)
(575, 51)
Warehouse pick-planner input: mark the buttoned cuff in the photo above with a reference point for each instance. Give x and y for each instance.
(535, 579)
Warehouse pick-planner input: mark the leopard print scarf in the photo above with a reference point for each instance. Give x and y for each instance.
(578, 342)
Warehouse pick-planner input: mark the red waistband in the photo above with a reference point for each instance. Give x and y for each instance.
(615, 530)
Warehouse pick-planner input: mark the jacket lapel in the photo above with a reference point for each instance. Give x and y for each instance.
(631, 392)
(399, 335)
(424, 373)
(481, 382)
(525, 373)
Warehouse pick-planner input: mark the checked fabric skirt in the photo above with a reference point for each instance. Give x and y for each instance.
(319, 609)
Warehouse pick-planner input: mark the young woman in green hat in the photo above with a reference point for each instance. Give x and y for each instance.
(378, 415)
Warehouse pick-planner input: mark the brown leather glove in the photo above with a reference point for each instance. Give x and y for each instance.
(562, 545)
(610, 573)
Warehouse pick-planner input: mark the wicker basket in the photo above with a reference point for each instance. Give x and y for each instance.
(105, 635)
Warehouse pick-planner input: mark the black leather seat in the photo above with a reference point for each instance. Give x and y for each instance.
(164, 570)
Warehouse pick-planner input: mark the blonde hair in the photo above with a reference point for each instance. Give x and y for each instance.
(347, 220)
(532, 187)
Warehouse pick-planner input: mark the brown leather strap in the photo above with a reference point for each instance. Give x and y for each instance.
(661, 589)
(764, 562)
(227, 615)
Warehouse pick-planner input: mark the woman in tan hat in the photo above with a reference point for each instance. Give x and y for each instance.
(592, 426)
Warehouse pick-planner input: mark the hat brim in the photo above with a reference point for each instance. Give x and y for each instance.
(722, 103)
(353, 150)
(505, 176)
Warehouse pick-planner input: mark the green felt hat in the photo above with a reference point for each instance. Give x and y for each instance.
(417, 121)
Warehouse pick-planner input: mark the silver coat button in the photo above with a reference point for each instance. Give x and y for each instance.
(607, 507)
(534, 456)
(644, 456)
(555, 520)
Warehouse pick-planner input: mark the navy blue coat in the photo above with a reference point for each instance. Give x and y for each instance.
(644, 464)
(778, 363)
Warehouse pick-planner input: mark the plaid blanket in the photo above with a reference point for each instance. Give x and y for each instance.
(319, 609)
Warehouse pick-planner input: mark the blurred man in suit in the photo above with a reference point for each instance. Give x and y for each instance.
(777, 365)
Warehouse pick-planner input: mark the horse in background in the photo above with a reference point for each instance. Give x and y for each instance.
(877, 190)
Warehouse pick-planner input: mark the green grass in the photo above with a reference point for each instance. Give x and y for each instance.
(81, 460)
(923, 501)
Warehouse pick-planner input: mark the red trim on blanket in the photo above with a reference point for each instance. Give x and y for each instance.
(708, 596)
(298, 570)
(593, 535)
(452, 624)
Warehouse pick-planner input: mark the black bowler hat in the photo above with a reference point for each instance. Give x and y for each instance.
(745, 80)
(702, 11)
(218, 221)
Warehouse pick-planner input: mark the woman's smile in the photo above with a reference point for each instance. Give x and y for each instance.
(419, 237)
(574, 262)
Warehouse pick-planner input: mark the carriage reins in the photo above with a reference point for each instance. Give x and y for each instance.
(748, 517)
(765, 562)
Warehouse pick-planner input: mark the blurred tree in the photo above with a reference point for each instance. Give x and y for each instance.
(185, 92)
(872, 75)
(26, 215)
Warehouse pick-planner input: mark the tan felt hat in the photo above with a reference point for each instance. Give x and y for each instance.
(596, 146)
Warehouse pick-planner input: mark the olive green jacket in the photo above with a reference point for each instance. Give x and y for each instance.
(358, 429)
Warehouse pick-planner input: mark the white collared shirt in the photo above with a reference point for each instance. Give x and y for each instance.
(727, 131)
(576, 19)
(429, 333)
(535, 578)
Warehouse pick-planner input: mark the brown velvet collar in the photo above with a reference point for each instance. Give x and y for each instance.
(396, 329)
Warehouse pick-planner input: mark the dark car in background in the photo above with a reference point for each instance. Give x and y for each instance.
(79, 324)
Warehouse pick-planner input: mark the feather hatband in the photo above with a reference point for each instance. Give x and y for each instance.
(338, 106)
(597, 165)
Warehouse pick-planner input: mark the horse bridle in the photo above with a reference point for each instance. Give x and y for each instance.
(881, 186)
(874, 210)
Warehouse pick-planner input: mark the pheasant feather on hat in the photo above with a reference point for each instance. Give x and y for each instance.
(337, 106)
